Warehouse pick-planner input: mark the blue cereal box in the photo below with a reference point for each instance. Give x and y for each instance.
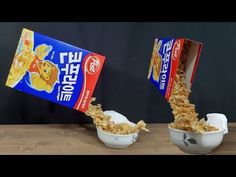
(54, 70)
(169, 54)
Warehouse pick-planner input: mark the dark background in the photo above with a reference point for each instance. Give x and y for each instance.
(123, 84)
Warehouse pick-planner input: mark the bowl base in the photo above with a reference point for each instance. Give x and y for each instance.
(196, 152)
(116, 146)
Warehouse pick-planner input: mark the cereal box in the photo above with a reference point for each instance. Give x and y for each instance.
(167, 57)
(54, 70)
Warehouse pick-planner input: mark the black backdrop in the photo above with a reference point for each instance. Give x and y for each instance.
(123, 84)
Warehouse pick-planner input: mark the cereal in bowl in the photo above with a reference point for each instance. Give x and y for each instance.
(104, 122)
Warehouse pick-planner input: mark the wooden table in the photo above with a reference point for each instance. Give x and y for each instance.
(82, 139)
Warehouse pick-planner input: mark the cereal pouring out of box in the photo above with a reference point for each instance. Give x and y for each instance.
(67, 75)
(172, 69)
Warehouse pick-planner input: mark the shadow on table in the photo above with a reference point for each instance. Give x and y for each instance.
(85, 132)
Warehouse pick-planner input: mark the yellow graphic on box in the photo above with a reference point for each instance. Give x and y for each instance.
(156, 61)
(43, 73)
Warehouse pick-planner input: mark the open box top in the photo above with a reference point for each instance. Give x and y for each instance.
(166, 57)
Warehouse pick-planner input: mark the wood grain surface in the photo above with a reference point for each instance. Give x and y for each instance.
(83, 140)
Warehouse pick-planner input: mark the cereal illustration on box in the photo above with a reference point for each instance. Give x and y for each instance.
(30, 64)
(156, 61)
(43, 74)
(54, 70)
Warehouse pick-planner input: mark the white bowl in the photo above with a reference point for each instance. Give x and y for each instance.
(115, 140)
(195, 143)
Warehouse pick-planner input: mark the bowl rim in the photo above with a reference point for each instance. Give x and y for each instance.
(113, 134)
(206, 133)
